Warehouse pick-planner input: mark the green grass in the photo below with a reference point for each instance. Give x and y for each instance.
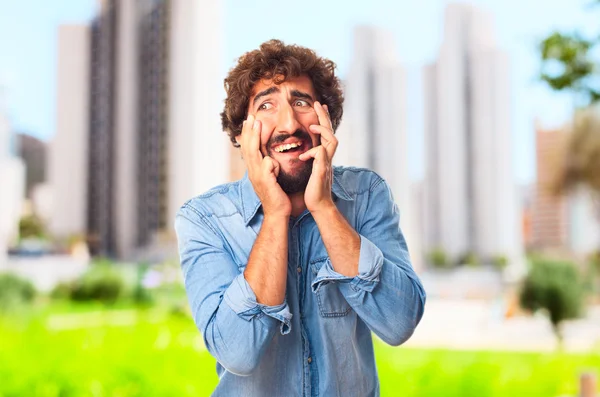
(424, 372)
(123, 352)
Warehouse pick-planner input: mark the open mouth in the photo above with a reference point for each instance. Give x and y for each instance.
(296, 146)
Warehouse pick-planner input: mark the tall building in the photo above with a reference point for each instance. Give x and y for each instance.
(153, 100)
(154, 133)
(563, 222)
(373, 131)
(549, 221)
(198, 149)
(470, 197)
(101, 137)
(12, 180)
(68, 169)
(33, 153)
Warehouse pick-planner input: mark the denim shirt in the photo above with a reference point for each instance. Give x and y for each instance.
(318, 341)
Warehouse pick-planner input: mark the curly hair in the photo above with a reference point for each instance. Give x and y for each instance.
(275, 60)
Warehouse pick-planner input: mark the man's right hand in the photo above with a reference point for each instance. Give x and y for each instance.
(263, 171)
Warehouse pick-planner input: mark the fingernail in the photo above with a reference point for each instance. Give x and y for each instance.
(255, 125)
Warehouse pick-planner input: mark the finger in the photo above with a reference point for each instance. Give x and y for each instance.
(318, 153)
(255, 137)
(323, 131)
(320, 165)
(243, 137)
(251, 141)
(327, 138)
(270, 166)
(309, 154)
(322, 115)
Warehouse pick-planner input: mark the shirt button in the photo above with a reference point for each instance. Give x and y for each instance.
(309, 360)
(299, 269)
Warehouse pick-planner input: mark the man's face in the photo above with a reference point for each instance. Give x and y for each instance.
(286, 111)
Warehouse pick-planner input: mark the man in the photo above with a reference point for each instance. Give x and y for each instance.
(290, 269)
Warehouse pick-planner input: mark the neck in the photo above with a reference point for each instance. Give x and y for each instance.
(298, 205)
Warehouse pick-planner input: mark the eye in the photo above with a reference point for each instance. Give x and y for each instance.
(301, 102)
(265, 106)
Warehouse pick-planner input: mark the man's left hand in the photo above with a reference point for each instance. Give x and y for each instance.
(317, 195)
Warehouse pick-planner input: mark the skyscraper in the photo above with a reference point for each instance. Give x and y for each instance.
(68, 169)
(198, 149)
(101, 137)
(153, 116)
(153, 135)
(373, 131)
(470, 195)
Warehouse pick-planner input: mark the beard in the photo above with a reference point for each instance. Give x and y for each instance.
(297, 182)
(292, 184)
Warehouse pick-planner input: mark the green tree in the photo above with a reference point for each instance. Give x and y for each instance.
(556, 288)
(570, 63)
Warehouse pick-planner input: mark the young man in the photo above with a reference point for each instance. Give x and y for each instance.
(290, 269)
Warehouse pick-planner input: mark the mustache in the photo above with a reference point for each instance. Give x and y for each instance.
(299, 134)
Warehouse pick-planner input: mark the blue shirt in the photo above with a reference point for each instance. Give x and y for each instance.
(318, 342)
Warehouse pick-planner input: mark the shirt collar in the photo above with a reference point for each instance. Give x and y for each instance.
(251, 203)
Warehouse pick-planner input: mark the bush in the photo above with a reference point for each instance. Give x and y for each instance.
(14, 291)
(556, 288)
(31, 226)
(102, 282)
(469, 259)
(500, 261)
(62, 291)
(438, 258)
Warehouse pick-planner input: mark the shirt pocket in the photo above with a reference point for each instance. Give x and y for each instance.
(330, 300)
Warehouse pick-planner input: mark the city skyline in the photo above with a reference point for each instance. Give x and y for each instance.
(32, 99)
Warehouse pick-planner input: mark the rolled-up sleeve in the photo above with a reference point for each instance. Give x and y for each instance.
(369, 267)
(236, 328)
(242, 300)
(386, 294)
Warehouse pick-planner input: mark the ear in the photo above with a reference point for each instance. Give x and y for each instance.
(238, 138)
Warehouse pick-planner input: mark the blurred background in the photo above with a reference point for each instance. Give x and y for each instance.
(481, 115)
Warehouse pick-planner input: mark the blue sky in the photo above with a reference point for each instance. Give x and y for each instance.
(28, 31)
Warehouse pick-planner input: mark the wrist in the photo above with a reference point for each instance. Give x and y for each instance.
(324, 211)
(277, 217)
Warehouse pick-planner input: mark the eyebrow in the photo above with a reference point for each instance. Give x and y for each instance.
(300, 94)
(266, 92)
(271, 90)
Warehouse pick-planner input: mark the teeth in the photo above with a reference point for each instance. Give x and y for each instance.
(288, 146)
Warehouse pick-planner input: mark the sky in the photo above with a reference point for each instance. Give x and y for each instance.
(28, 48)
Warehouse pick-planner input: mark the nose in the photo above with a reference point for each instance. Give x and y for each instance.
(287, 123)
